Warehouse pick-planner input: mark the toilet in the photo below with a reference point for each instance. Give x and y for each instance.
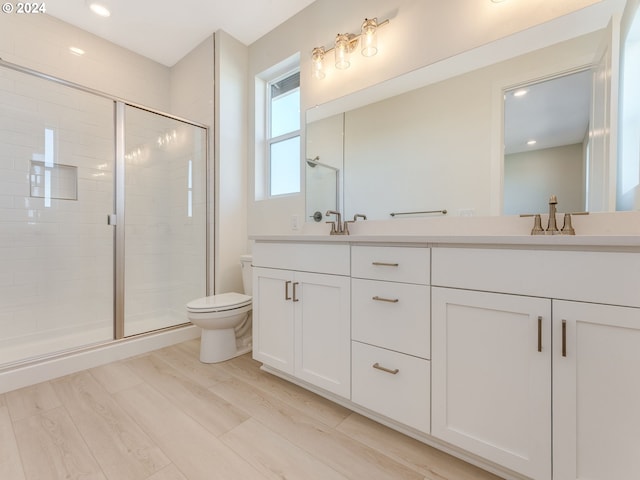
(225, 320)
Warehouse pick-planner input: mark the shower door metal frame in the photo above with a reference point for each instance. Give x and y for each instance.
(119, 189)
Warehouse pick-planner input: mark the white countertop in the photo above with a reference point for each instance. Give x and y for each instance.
(515, 240)
(617, 230)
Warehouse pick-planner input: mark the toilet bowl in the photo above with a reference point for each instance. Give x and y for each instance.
(225, 320)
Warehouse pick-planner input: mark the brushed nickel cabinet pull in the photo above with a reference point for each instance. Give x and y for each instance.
(539, 334)
(381, 299)
(384, 264)
(286, 290)
(564, 338)
(295, 299)
(388, 370)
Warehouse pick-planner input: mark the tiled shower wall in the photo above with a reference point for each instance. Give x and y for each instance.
(56, 255)
(165, 236)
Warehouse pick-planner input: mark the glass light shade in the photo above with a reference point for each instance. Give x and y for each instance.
(342, 51)
(317, 63)
(369, 37)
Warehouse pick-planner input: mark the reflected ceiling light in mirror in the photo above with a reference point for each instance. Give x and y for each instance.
(531, 142)
(520, 93)
(345, 44)
(99, 9)
(76, 51)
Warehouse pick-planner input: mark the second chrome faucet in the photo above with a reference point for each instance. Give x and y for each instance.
(342, 228)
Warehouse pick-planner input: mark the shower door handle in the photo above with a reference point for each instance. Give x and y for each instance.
(112, 219)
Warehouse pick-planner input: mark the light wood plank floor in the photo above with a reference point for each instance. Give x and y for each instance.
(166, 416)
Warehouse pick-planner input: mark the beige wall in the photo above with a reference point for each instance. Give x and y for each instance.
(532, 177)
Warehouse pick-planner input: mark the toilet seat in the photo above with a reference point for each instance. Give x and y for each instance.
(219, 303)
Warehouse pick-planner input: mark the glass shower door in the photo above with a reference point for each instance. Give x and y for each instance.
(56, 190)
(165, 259)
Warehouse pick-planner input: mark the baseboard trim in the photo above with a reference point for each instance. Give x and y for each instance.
(43, 370)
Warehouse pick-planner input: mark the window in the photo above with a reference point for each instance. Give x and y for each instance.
(283, 134)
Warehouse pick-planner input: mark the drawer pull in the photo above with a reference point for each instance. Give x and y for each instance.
(377, 366)
(295, 298)
(286, 290)
(564, 338)
(384, 264)
(381, 299)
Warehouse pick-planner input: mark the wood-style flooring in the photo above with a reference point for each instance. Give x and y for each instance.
(166, 416)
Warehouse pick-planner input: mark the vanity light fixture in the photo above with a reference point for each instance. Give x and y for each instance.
(345, 44)
(317, 62)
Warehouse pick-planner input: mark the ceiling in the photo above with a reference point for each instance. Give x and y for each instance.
(553, 113)
(166, 30)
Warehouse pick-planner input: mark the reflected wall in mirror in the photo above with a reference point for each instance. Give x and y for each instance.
(546, 143)
(323, 165)
(628, 188)
(439, 146)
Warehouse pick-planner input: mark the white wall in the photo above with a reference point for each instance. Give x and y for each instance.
(231, 66)
(41, 42)
(420, 33)
(192, 97)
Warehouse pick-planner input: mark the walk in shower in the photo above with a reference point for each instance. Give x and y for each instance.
(103, 217)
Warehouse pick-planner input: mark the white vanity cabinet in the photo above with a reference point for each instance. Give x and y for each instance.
(497, 378)
(596, 391)
(491, 377)
(391, 332)
(301, 305)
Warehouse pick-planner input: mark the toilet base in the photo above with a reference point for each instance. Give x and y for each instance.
(219, 345)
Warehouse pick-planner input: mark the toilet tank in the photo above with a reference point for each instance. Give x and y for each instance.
(247, 279)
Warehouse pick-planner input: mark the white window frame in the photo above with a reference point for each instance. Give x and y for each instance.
(269, 141)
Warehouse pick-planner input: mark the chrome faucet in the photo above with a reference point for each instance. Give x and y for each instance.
(552, 226)
(355, 219)
(336, 226)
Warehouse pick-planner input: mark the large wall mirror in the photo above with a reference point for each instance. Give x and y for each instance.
(445, 145)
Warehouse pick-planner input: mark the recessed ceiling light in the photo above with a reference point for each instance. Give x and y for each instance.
(531, 142)
(497, 1)
(76, 51)
(100, 9)
(520, 93)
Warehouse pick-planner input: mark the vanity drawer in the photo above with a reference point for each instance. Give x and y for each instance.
(394, 264)
(330, 258)
(391, 315)
(403, 396)
(587, 276)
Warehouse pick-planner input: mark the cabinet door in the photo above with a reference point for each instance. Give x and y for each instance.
(596, 392)
(491, 377)
(323, 331)
(273, 318)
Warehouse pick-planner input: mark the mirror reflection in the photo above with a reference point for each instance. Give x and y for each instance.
(323, 166)
(440, 146)
(546, 143)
